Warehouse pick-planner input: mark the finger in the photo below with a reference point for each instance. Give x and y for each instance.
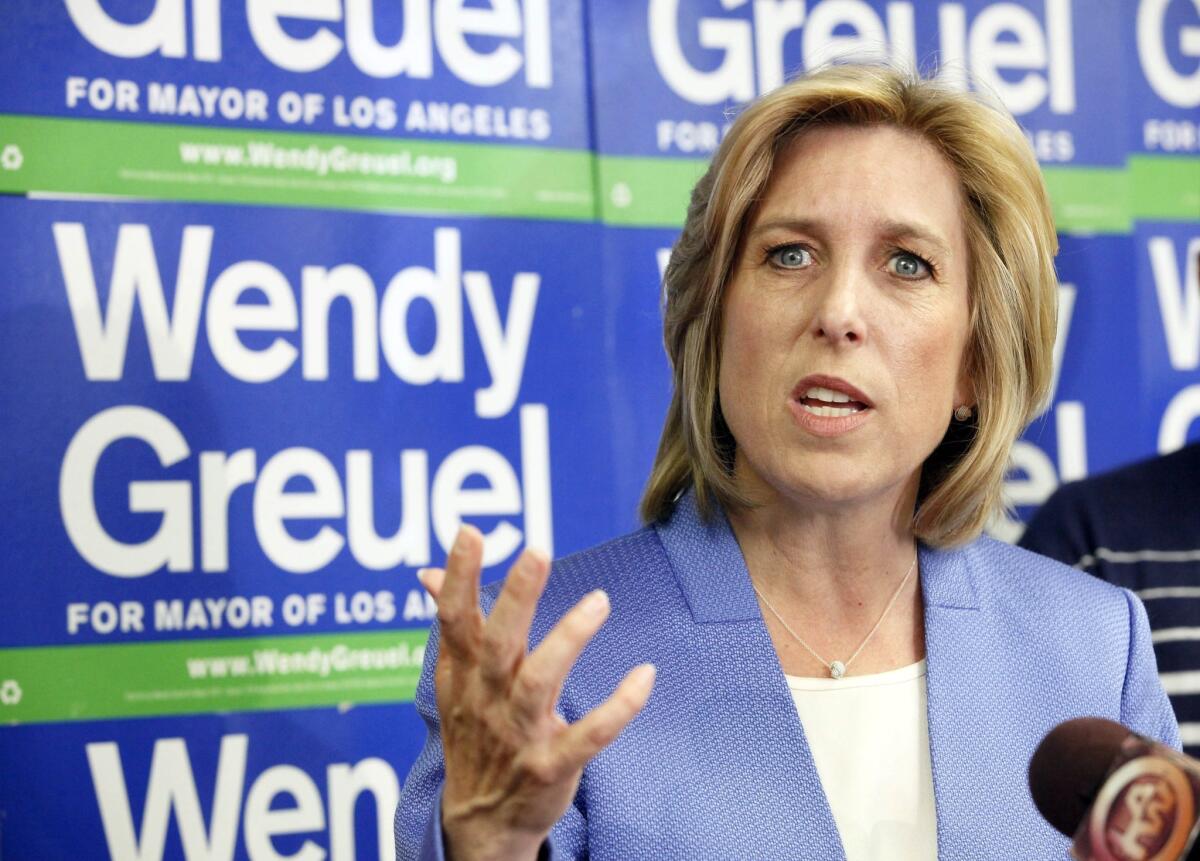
(458, 607)
(540, 678)
(506, 632)
(593, 732)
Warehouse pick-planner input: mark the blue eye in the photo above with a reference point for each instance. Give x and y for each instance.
(908, 265)
(790, 256)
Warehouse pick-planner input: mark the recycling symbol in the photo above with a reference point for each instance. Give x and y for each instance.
(621, 195)
(10, 692)
(11, 157)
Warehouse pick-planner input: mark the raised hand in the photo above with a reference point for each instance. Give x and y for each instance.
(512, 763)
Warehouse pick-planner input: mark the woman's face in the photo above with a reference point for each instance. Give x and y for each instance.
(845, 320)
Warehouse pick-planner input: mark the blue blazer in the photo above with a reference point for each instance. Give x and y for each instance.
(717, 766)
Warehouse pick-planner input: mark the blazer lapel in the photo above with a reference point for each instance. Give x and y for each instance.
(712, 575)
(957, 650)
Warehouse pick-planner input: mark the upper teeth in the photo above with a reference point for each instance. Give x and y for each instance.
(829, 395)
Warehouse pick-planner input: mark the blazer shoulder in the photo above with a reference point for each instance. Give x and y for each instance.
(1057, 615)
(613, 565)
(1018, 578)
(623, 567)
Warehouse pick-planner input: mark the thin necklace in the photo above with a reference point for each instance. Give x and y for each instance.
(837, 669)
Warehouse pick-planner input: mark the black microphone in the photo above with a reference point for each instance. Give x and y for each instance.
(1118, 795)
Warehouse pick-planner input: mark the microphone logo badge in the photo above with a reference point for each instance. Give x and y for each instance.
(1145, 812)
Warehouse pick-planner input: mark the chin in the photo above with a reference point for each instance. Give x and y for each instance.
(815, 479)
(823, 490)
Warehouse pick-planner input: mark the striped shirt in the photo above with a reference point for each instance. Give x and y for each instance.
(1139, 527)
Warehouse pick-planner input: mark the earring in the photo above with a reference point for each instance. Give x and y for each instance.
(962, 412)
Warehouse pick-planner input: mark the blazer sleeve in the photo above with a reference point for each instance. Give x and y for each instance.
(419, 814)
(1144, 704)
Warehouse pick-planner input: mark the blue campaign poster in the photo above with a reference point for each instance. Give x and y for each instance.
(294, 288)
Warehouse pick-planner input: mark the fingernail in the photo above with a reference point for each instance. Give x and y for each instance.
(645, 674)
(431, 579)
(595, 603)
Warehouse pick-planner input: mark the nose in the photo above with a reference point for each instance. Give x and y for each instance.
(838, 316)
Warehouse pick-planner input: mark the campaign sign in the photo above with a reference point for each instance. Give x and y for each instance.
(428, 105)
(230, 437)
(1164, 128)
(1127, 361)
(1164, 76)
(1087, 427)
(308, 783)
(347, 67)
(694, 64)
(1168, 273)
(639, 373)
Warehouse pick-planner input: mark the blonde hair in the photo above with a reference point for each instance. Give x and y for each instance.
(1011, 240)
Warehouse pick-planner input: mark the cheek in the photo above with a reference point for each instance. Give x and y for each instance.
(739, 341)
(934, 360)
(757, 346)
(735, 378)
(751, 355)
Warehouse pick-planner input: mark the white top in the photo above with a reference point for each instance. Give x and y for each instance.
(869, 737)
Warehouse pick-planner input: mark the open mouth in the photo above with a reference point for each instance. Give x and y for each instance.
(820, 401)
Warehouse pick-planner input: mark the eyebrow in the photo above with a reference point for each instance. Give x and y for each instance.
(890, 229)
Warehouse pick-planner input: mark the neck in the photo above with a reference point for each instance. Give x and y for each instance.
(830, 571)
(825, 555)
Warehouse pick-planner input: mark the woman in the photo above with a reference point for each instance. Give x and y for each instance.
(860, 317)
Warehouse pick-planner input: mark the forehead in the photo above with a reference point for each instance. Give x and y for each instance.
(856, 177)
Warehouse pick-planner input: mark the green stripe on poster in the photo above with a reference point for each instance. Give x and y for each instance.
(646, 192)
(1165, 188)
(1089, 199)
(653, 192)
(66, 683)
(168, 162)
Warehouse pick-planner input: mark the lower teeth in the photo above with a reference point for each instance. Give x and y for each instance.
(830, 411)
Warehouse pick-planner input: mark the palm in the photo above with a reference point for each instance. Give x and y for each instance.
(512, 763)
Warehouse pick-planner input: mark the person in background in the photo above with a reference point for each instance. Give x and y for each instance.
(1139, 527)
(828, 660)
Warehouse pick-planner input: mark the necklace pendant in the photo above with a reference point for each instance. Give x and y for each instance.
(837, 669)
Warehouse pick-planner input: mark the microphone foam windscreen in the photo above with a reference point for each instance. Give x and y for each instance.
(1070, 765)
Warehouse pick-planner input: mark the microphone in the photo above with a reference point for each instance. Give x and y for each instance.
(1120, 796)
